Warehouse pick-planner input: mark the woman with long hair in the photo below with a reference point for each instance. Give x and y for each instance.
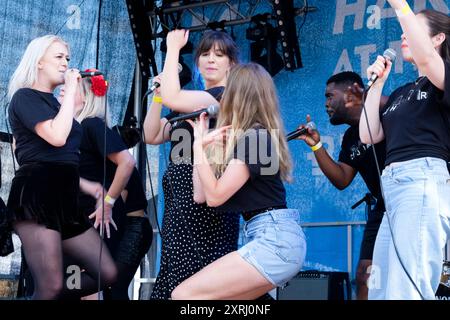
(415, 122)
(124, 198)
(43, 206)
(193, 235)
(246, 176)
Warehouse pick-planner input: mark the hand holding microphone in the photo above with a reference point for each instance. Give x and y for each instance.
(211, 111)
(307, 133)
(380, 69)
(157, 81)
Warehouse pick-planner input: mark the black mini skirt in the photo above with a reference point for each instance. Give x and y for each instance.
(48, 194)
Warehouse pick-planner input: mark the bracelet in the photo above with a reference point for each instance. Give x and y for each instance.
(317, 146)
(157, 99)
(110, 200)
(404, 11)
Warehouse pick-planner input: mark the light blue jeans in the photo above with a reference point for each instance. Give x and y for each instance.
(417, 195)
(275, 245)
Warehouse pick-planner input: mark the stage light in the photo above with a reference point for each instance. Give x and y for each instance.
(263, 49)
(287, 30)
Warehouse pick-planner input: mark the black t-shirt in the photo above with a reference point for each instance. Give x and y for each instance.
(136, 199)
(182, 134)
(93, 150)
(360, 157)
(264, 188)
(29, 107)
(416, 121)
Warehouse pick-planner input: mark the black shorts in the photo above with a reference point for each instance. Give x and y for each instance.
(370, 234)
(48, 194)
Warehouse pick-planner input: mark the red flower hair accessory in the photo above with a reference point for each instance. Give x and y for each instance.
(99, 84)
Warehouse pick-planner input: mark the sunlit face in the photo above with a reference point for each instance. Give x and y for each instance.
(214, 66)
(53, 64)
(335, 104)
(406, 52)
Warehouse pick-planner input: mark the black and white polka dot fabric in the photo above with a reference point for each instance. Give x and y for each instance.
(193, 235)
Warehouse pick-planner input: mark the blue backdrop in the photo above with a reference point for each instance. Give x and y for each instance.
(340, 35)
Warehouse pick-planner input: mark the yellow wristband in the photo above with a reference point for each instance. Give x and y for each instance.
(317, 146)
(110, 200)
(404, 11)
(157, 99)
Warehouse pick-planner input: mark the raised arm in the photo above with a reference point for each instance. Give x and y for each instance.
(422, 47)
(55, 131)
(155, 129)
(173, 97)
(382, 67)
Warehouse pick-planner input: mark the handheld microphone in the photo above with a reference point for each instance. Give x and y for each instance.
(211, 111)
(85, 74)
(299, 132)
(157, 84)
(387, 54)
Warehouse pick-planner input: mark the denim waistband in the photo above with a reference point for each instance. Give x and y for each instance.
(250, 214)
(275, 215)
(427, 162)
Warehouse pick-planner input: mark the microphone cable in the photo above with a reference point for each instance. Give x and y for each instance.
(384, 197)
(102, 224)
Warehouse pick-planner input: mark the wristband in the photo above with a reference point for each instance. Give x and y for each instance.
(404, 11)
(110, 200)
(157, 99)
(317, 146)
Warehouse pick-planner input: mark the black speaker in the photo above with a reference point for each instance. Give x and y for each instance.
(316, 285)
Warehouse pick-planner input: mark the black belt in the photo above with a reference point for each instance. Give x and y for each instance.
(250, 214)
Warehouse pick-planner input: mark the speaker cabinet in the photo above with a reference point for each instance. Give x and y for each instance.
(316, 285)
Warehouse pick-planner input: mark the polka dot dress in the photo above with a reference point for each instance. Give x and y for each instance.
(193, 235)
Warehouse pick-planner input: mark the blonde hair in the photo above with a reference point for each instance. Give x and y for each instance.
(249, 100)
(94, 106)
(26, 73)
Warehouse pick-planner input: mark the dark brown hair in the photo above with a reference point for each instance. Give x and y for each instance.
(223, 40)
(439, 22)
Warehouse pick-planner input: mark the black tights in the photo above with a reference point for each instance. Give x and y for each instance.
(43, 251)
(133, 246)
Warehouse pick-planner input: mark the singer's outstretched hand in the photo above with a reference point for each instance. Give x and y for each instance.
(312, 137)
(354, 96)
(177, 39)
(201, 134)
(381, 67)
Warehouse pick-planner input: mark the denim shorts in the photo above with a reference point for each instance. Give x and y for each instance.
(274, 243)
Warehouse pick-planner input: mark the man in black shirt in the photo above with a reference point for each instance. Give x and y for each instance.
(344, 104)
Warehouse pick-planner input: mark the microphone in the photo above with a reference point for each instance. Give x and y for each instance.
(211, 111)
(299, 132)
(157, 84)
(85, 74)
(387, 54)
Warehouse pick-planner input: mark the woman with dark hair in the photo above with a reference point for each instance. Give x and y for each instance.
(408, 253)
(193, 235)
